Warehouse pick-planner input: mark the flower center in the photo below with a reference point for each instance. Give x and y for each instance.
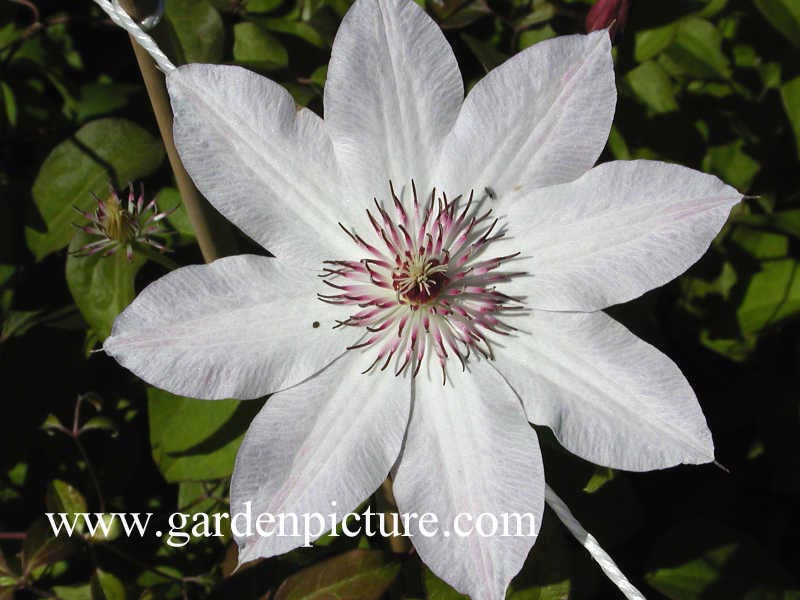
(419, 279)
(427, 289)
(116, 222)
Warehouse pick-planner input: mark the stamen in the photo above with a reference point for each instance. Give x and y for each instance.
(424, 293)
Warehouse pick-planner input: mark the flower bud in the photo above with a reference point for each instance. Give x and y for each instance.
(116, 224)
(608, 13)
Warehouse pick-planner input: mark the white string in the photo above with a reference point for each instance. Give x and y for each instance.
(590, 543)
(124, 20)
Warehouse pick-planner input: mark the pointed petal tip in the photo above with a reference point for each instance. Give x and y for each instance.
(108, 345)
(721, 466)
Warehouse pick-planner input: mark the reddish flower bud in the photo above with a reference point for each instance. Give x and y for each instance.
(608, 13)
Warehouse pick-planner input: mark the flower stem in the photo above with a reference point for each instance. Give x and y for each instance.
(75, 434)
(200, 213)
(399, 544)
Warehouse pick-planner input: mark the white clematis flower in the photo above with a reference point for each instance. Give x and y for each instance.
(441, 265)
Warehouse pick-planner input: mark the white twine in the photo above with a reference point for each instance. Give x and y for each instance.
(590, 543)
(124, 20)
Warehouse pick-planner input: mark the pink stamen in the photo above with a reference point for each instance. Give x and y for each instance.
(426, 290)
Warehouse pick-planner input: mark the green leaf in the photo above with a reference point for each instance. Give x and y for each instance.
(97, 99)
(534, 36)
(363, 574)
(790, 94)
(101, 423)
(19, 322)
(438, 590)
(763, 245)
(301, 94)
(207, 498)
(169, 199)
(319, 76)
(256, 48)
(541, 12)
(9, 102)
(73, 592)
(18, 474)
(197, 26)
(649, 43)
(600, 477)
(783, 15)
(732, 164)
(547, 572)
(59, 36)
(7, 581)
(6, 275)
(61, 497)
(712, 7)
(52, 424)
(698, 288)
(786, 221)
(552, 591)
(771, 76)
(689, 580)
(696, 51)
(262, 6)
(103, 151)
(724, 563)
(467, 15)
(158, 575)
(5, 570)
(196, 440)
(744, 55)
(651, 84)
(773, 294)
(728, 26)
(42, 548)
(487, 55)
(304, 31)
(200, 496)
(617, 144)
(770, 294)
(106, 586)
(112, 525)
(102, 286)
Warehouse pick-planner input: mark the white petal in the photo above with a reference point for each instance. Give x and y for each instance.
(470, 450)
(240, 327)
(332, 439)
(266, 166)
(620, 230)
(609, 397)
(540, 118)
(392, 93)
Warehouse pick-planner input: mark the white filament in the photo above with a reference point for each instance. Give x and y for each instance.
(124, 20)
(590, 543)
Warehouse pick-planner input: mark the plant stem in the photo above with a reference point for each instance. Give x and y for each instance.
(398, 543)
(143, 565)
(95, 482)
(75, 434)
(198, 210)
